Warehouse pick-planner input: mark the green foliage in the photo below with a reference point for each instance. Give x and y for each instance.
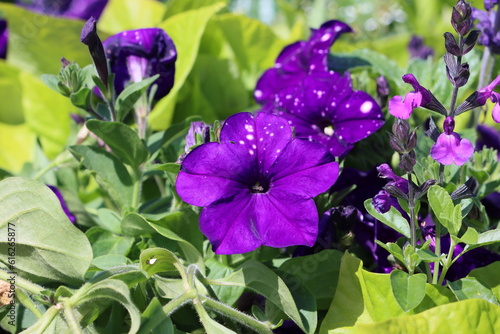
(186, 30)
(469, 316)
(124, 141)
(409, 290)
(449, 216)
(51, 249)
(391, 218)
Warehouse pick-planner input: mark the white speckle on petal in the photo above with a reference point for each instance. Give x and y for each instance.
(250, 137)
(242, 142)
(258, 93)
(251, 152)
(366, 107)
(325, 37)
(249, 127)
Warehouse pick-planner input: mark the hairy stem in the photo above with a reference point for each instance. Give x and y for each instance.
(411, 207)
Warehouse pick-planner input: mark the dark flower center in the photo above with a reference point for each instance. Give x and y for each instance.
(261, 186)
(325, 126)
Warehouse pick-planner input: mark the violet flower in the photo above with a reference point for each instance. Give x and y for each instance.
(135, 55)
(490, 36)
(73, 9)
(418, 50)
(299, 59)
(4, 38)
(449, 148)
(420, 97)
(257, 184)
(324, 107)
(490, 137)
(64, 206)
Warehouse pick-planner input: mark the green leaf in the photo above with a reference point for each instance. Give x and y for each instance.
(155, 260)
(226, 294)
(443, 208)
(186, 30)
(104, 242)
(175, 7)
(135, 225)
(391, 218)
(81, 99)
(124, 141)
(109, 220)
(489, 276)
(155, 320)
(471, 287)
(170, 167)
(37, 234)
(257, 277)
(470, 237)
(393, 249)
(108, 261)
(489, 237)
(467, 316)
(111, 174)
(168, 287)
(115, 290)
(13, 157)
(318, 273)
(37, 42)
(159, 139)
(120, 15)
(165, 228)
(11, 95)
(130, 95)
(46, 113)
(409, 290)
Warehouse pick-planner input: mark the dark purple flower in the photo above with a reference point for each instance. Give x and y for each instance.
(64, 206)
(488, 137)
(135, 55)
(449, 148)
(486, 23)
(324, 107)
(74, 9)
(385, 172)
(382, 201)
(299, 59)
(418, 50)
(257, 184)
(4, 38)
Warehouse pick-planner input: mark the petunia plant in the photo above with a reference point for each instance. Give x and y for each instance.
(213, 167)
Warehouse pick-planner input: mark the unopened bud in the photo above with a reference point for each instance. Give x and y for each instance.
(408, 161)
(412, 140)
(451, 44)
(461, 19)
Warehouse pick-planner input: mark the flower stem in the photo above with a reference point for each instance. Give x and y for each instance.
(71, 320)
(437, 251)
(28, 303)
(411, 207)
(448, 261)
(22, 283)
(240, 317)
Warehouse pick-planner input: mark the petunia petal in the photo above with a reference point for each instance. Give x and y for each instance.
(283, 220)
(304, 178)
(231, 225)
(451, 149)
(357, 117)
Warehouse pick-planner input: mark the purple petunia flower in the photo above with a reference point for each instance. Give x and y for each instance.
(257, 184)
(299, 59)
(450, 148)
(74, 9)
(324, 107)
(135, 55)
(490, 137)
(64, 206)
(4, 38)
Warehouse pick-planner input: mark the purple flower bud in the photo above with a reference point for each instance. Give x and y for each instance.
(382, 202)
(451, 44)
(74, 9)
(4, 38)
(408, 161)
(135, 55)
(461, 18)
(412, 140)
(90, 38)
(382, 86)
(448, 125)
